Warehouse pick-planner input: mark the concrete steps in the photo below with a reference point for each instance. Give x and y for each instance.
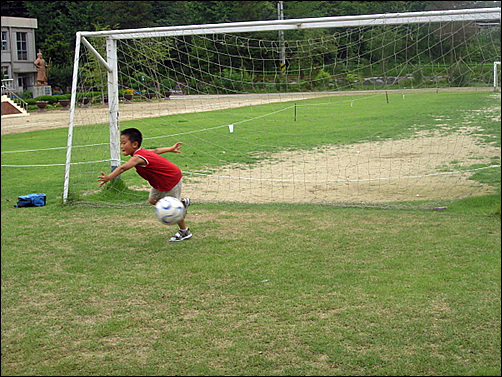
(10, 108)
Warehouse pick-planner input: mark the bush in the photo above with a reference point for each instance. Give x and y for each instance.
(26, 94)
(30, 101)
(51, 99)
(63, 96)
(322, 79)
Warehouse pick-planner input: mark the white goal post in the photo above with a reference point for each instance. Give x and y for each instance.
(496, 67)
(110, 61)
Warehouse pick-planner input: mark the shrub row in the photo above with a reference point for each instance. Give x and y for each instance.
(50, 99)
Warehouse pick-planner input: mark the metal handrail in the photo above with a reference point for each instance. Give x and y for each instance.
(12, 94)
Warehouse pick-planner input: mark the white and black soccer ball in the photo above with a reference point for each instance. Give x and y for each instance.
(169, 210)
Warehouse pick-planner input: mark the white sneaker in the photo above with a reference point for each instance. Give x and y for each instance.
(186, 202)
(181, 235)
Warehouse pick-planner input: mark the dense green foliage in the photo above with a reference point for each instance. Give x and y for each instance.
(58, 21)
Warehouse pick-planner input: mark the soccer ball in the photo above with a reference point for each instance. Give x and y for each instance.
(169, 210)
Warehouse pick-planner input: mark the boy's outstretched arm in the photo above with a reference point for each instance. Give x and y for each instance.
(133, 161)
(175, 149)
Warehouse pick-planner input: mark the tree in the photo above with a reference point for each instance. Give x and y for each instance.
(61, 77)
(207, 12)
(127, 14)
(58, 22)
(169, 13)
(13, 9)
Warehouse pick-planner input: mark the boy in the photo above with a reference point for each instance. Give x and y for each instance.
(164, 176)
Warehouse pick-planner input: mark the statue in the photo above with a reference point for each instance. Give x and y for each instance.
(42, 69)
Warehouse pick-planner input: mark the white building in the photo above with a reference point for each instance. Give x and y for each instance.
(19, 53)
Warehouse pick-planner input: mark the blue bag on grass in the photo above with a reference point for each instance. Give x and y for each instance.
(31, 200)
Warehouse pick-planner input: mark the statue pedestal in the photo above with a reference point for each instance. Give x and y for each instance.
(41, 91)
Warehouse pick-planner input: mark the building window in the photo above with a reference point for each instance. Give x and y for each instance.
(22, 46)
(22, 83)
(5, 43)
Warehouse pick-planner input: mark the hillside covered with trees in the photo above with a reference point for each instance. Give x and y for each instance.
(58, 21)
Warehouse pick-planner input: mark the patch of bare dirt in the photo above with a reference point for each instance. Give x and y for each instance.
(387, 171)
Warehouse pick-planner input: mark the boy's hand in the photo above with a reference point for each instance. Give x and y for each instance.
(103, 178)
(176, 148)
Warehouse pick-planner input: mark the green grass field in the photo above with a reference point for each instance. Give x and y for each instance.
(260, 131)
(265, 290)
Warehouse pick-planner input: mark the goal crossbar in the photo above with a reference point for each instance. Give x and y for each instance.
(304, 23)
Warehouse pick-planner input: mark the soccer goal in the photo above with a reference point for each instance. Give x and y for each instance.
(386, 109)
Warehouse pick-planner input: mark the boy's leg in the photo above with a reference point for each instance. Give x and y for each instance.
(175, 192)
(155, 195)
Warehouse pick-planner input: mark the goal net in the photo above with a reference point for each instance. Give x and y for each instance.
(395, 109)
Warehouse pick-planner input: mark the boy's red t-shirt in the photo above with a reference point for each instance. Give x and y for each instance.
(161, 173)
